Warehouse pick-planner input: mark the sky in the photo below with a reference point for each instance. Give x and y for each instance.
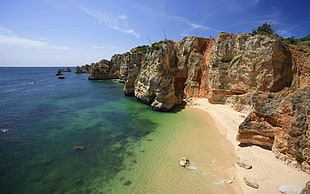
(77, 32)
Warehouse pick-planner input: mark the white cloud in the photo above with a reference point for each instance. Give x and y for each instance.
(122, 17)
(193, 25)
(14, 40)
(7, 37)
(5, 31)
(118, 23)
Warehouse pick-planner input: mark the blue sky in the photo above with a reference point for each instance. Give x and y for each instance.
(76, 32)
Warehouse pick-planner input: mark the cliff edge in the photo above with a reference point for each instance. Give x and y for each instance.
(254, 73)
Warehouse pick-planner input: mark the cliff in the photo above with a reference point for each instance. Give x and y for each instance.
(258, 74)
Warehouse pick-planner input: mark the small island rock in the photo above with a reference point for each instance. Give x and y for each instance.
(184, 161)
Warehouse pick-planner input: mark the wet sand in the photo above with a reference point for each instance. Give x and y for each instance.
(190, 133)
(269, 172)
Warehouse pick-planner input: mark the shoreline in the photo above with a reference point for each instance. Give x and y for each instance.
(269, 172)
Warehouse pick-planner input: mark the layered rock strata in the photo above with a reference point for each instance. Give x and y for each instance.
(256, 72)
(241, 63)
(103, 69)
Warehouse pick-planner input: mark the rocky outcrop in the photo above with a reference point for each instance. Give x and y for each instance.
(103, 70)
(154, 84)
(184, 162)
(281, 125)
(280, 120)
(82, 69)
(130, 65)
(258, 73)
(301, 67)
(241, 63)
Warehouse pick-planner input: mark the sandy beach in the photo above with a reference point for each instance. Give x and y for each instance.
(269, 172)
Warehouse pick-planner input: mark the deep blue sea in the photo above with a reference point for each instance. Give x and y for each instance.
(43, 117)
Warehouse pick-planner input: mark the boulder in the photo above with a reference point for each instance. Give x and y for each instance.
(184, 162)
(244, 163)
(251, 182)
(290, 189)
(79, 148)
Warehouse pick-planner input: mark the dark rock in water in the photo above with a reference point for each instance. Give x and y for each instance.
(68, 69)
(79, 182)
(79, 148)
(59, 72)
(82, 69)
(48, 162)
(127, 183)
(61, 77)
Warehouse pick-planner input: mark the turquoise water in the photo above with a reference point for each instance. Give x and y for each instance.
(45, 117)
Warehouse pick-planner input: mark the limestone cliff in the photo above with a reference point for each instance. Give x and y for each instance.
(159, 74)
(241, 63)
(103, 69)
(280, 120)
(257, 72)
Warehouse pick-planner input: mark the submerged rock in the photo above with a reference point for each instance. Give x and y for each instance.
(251, 182)
(79, 148)
(290, 189)
(184, 162)
(127, 183)
(244, 163)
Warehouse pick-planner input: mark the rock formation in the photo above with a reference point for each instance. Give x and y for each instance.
(103, 69)
(241, 63)
(256, 72)
(184, 162)
(244, 163)
(251, 182)
(82, 69)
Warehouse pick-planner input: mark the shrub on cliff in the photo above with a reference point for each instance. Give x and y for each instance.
(265, 29)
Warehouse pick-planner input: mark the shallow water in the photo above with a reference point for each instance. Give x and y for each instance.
(129, 148)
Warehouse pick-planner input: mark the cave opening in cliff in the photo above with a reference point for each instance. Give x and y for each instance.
(179, 85)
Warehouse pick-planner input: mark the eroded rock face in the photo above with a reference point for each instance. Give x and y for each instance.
(241, 63)
(257, 72)
(129, 65)
(101, 70)
(155, 83)
(281, 125)
(280, 120)
(167, 70)
(301, 67)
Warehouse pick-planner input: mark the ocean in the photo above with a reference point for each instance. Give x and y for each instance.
(125, 147)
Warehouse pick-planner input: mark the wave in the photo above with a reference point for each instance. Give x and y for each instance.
(22, 84)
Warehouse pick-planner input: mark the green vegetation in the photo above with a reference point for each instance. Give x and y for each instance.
(157, 45)
(234, 61)
(215, 65)
(141, 49)
(266, 29)
(303, 42)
